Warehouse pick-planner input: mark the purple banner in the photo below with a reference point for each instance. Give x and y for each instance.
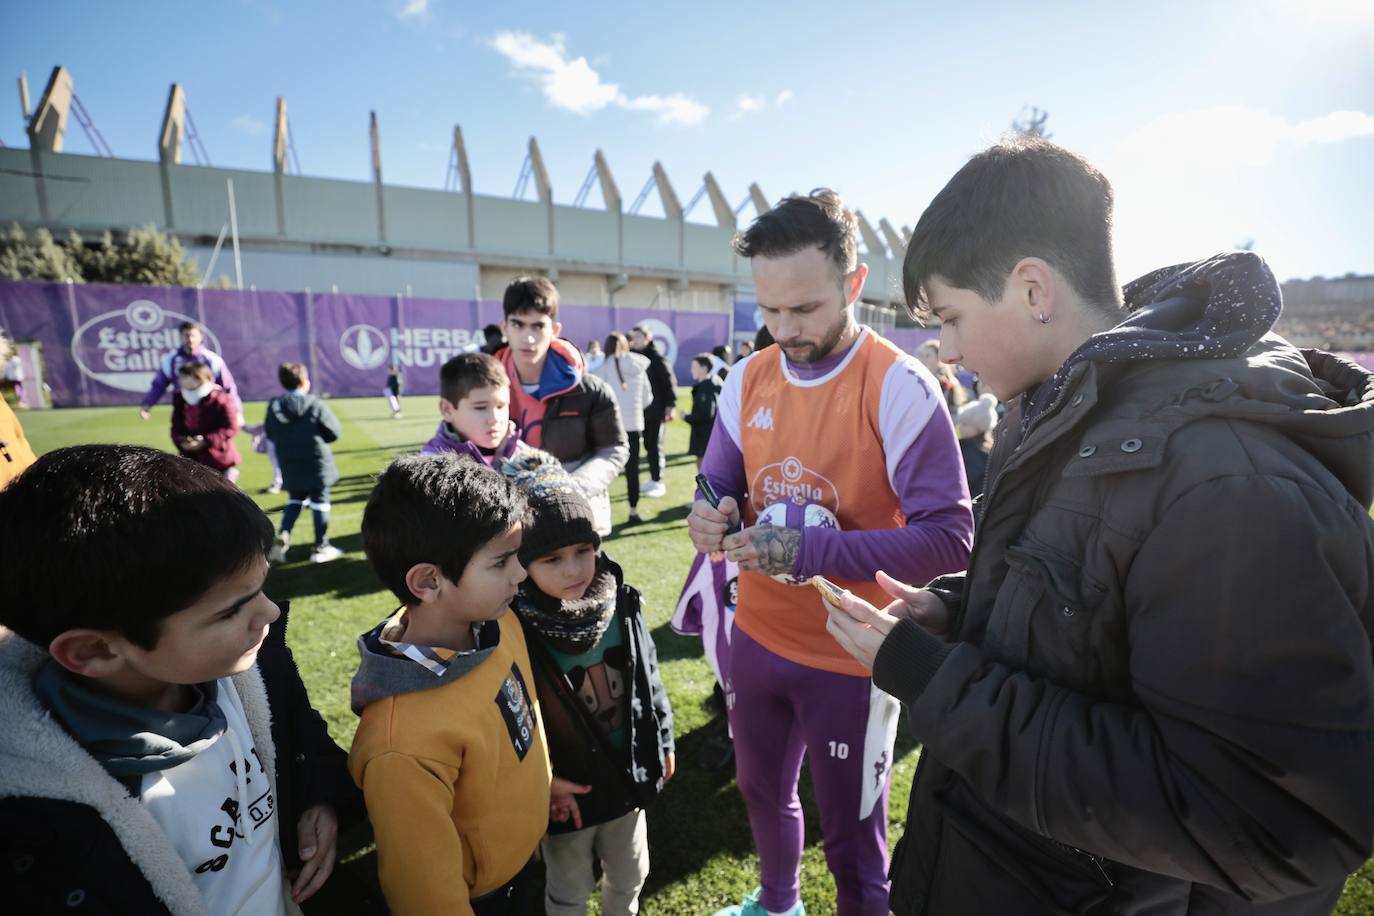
(102, 344)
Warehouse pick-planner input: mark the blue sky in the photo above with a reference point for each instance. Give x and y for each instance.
(1216, 121)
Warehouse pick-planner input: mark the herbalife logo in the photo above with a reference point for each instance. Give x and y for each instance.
(363, 347)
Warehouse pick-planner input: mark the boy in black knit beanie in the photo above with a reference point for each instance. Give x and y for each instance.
(607, 720)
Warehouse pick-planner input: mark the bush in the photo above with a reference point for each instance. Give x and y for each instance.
(145, 257)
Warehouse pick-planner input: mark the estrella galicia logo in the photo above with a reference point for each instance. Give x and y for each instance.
(124, 348)
(363, 347)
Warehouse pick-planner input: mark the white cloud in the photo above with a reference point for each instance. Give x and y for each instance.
(1191, 183)
(249, 125)
(413, 9)
(746, 104)
(572, 84)
(1234, 135)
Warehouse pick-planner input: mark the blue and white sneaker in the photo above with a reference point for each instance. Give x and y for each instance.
(751, 907)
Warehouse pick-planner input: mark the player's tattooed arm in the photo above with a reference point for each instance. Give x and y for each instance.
(777, 548)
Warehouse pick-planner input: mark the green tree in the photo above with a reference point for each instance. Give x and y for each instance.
(145, 257)
(36, 257)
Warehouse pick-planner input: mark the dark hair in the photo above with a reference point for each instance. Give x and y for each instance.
(818, 220)
(467, 371)
(492, 331)
(436, 509)
(189, 325)
(531, 294)
(643, 331)
(118, 537)
(1023, 197)
(198, 369)
(723, 352)
(292, 375)
(704, 361)
(616, 344)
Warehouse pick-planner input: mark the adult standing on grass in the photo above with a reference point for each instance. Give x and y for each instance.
(837, 421)
(192, 350)
(660, 409)
(1152, 691)
(557, 404)
(627, 374)
(301, 426)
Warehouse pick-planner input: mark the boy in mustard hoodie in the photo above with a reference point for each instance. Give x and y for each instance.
(450, 752)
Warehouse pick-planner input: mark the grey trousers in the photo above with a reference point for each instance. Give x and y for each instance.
(622, 845)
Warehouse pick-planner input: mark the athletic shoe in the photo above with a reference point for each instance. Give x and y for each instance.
(654, 489)
(278, 552)
(751, 907)
(325, 553)
(274, 489)
(634, 518)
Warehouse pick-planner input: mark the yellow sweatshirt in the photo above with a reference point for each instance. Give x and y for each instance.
(15, 451)
(454, 769)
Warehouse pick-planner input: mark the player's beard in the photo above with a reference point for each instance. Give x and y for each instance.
(827, 344)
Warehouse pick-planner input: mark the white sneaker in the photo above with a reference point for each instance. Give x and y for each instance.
(654, 489)
(277, 554)
(274, 489)
(325, 554)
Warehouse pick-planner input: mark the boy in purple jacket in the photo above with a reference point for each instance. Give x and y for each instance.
(474, 401)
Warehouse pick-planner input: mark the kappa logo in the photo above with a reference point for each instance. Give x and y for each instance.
(363, 347)
(762, 418)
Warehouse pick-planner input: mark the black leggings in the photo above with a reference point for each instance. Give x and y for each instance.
(632, 470)
(653, 425)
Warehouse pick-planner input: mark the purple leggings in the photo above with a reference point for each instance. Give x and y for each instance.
(780, 711)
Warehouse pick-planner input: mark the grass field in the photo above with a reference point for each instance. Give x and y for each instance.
(701, 851)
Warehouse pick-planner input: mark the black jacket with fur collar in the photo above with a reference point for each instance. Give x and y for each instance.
(73, 840)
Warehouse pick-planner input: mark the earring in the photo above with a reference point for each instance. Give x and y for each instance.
(1044, 319)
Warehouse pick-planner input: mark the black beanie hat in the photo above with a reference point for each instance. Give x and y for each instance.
(559, 514)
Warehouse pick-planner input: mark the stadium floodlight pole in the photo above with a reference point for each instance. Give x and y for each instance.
(234, 231)
(214, 255)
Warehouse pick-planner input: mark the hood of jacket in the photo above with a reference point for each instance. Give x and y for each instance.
(1198, 343)
(382, 673)
(563, 370)
(290, 407)
(447, 439)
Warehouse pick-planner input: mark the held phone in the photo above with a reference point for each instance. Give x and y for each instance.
(709, 492)
(830, 592)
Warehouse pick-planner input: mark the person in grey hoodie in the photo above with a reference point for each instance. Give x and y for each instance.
(301, 427)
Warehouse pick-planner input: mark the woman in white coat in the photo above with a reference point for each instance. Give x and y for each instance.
(627, 374)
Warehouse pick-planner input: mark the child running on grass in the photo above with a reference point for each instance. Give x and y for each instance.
(606, 713)
(449, 751)
(301, 426)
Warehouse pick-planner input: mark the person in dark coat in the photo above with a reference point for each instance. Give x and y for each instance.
(702, 417)
(205, 421)
(1151, 692)
(661, 409)
(149, 740)
(301, 427)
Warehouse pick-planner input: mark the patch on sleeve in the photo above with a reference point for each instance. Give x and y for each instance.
(518, 712)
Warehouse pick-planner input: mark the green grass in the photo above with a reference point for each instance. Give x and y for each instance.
(701, 851)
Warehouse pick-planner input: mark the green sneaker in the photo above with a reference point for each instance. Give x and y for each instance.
(750, 906)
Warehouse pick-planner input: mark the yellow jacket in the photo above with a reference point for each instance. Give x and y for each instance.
(15, 452)
(456, 807)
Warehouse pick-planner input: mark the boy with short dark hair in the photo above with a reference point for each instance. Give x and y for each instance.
(702, 417)
(558, 405)
(474, 402)
(301, 426)
(159, 753)
(449, 749)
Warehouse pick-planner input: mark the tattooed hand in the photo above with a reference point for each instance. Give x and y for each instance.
(767, 549)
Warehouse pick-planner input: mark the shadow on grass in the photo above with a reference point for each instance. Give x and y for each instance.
(347, 577)
(676, 517)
